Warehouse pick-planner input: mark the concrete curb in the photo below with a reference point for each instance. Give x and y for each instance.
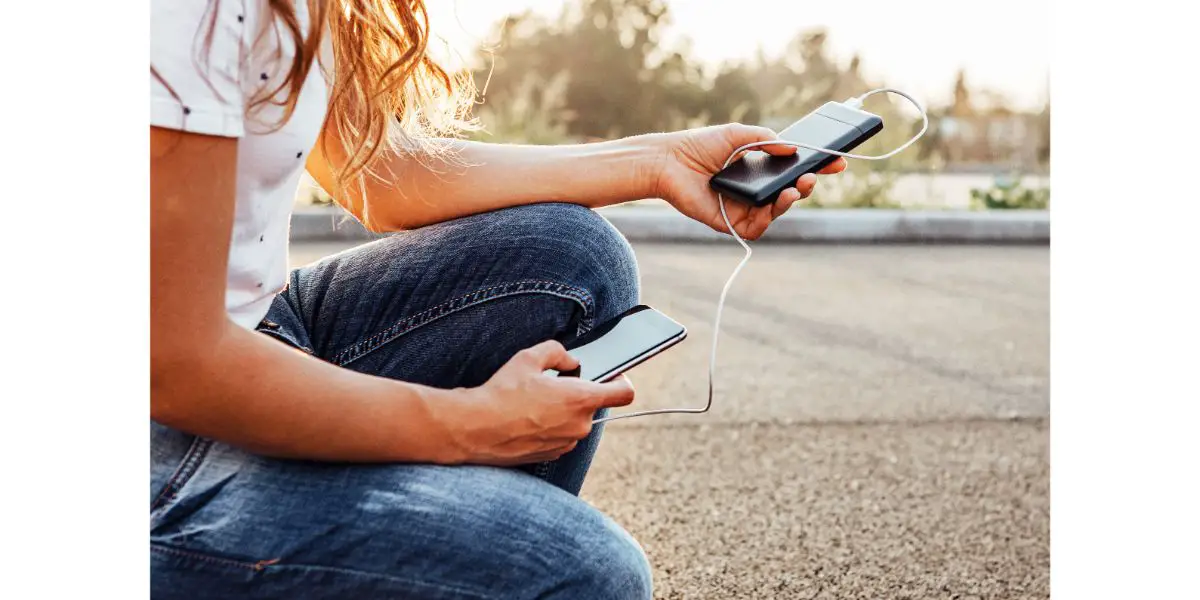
(804, 226)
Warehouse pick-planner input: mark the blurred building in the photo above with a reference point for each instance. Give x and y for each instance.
(1002, 140)
(966, 136)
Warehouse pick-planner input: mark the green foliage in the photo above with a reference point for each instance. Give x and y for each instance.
(602, 69)
(1008, 193)
(535, 113)
(609, 48)
(623, 80)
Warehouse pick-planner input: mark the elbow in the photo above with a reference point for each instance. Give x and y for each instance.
(375, 226)
(166, 369)
(189, 352)
(380, 224)
(382, 217)
(374, 221)
(179, 374)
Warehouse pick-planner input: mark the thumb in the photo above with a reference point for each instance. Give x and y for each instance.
(618, 392)
(749, 134)
(550, 354)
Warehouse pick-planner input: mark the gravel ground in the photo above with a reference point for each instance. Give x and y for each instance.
(880, 430)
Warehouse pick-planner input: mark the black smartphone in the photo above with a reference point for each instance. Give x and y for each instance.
(758, 178)
(615, 346)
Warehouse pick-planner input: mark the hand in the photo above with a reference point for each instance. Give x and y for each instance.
(694, 156)
(521, 415)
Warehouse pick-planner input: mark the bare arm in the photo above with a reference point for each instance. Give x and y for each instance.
(483, 177)
(673, 166)
(213, 378)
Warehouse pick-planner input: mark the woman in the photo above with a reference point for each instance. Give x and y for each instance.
(377, 424)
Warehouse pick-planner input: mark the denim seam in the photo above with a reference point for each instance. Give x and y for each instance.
(183, 473)
(475, 298)
(285, 339)
(275, 565)
(207, 557)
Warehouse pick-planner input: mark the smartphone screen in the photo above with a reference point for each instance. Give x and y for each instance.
(618, 345)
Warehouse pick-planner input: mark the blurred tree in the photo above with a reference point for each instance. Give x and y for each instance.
(962, 97)
(733, 96)
(601, 69)
(620, 80)
(1043, 144)
(534, 113)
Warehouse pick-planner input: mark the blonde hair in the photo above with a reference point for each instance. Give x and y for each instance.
(387, 93)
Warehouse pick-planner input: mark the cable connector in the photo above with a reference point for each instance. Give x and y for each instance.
(856, 102)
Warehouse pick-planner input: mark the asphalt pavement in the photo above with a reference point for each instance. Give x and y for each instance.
(880, 426)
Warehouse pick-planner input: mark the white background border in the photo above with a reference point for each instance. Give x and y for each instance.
(1125, 516)
(74, 300)
(1126, 510)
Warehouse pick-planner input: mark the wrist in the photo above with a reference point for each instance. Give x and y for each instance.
(450, 414)
(623, 169)
(657, 148)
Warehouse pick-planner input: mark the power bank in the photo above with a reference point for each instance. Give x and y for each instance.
(758, 178)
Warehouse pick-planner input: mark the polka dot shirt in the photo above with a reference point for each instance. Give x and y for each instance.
(211, 98)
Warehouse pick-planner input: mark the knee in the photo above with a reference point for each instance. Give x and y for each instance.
(609, 267)
(583, 243)
(611, 564)
(552, 544)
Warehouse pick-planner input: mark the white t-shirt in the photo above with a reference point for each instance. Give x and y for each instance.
(212, 93)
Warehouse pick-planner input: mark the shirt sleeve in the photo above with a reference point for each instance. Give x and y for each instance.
(195, 77)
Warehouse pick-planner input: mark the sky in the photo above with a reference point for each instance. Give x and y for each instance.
(915, 45)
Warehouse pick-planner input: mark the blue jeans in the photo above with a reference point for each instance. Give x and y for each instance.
(445, 306)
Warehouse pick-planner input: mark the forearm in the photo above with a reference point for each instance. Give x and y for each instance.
(256, 393)
(481, 177)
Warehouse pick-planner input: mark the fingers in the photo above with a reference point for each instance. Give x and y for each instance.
(752, 222)
(762, 220)
(805, 184)
(836, 166)
(749, 134)
(756, 223)
(803, 189)
(549, 354)
(594, 396)
(618, 392)
(778, 149)
(785, 201)
(590, 395)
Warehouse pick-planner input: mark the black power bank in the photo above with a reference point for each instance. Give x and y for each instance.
(758, 177)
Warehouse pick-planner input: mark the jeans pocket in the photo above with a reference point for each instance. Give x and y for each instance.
(166, 457)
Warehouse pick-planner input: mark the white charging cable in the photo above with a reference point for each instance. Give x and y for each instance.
(712, 359)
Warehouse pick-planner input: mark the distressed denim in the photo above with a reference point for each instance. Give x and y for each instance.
(446, 306)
